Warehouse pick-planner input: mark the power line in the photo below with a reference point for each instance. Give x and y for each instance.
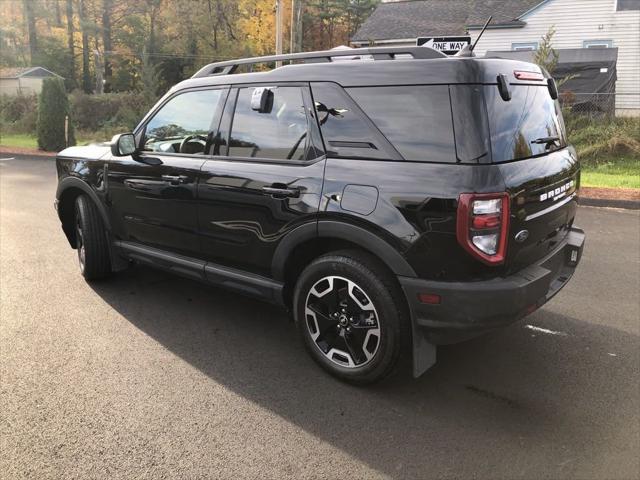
(167, 55)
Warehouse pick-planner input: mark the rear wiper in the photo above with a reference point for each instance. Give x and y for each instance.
(546, 140)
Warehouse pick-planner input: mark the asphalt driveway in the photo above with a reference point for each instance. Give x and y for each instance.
(151, 376)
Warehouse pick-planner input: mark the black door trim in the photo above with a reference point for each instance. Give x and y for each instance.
(208, 272)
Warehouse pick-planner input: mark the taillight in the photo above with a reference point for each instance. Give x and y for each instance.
(482, 225)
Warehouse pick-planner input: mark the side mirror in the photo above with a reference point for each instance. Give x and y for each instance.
(262, 100)
(123, 145)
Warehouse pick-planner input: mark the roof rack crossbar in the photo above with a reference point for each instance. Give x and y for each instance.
(377, 53)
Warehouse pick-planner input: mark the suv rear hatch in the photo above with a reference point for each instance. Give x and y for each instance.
(541, 172)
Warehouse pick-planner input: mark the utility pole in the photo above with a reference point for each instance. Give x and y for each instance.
(278, 31)
(293, 8)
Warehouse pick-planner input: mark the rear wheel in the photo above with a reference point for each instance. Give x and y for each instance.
(91, 240)
(351, 316)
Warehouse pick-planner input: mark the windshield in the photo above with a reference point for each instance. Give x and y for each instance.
(529, 124)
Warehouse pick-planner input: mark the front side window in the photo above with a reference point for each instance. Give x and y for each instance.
(274, 129)
(182, 125)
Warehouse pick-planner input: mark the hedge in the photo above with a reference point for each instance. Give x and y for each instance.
(53, 109)
(110, 112)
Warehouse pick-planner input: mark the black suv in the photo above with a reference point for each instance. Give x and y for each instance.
(393, 198)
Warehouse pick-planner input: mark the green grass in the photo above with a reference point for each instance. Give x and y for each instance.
(25, 140)
(613, 172)
(18, 140)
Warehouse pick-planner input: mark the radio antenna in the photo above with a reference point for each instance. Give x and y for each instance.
(481, 32)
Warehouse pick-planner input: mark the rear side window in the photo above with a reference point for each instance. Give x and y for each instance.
(347, 133)
(527, 125)
(415, 119)
(278, 132)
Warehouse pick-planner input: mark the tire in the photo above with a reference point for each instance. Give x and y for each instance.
(375, 304)
(91, 240)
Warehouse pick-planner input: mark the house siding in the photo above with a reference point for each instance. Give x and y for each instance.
(20, 86)
(576, 21)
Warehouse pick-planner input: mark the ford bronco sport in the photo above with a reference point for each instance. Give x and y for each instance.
(394, 200)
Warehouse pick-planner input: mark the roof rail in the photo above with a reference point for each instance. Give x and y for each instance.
(378, 53)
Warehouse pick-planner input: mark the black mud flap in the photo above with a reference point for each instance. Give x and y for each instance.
(424, 352)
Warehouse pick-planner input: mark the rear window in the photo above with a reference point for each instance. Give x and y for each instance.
(527, 125)
(415, 119)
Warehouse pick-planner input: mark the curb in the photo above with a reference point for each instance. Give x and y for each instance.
(51, 155)
(610, 203)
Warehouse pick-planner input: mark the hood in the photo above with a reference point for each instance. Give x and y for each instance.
(92, 152)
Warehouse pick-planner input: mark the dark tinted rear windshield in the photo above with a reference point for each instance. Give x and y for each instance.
(527, 125)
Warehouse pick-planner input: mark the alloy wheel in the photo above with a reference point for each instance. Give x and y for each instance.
(80, 243)
(342, 321)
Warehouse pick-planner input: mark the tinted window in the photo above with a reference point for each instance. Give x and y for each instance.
(279, 132)
(346, 132)
(415, 119)
(529, 124)
(628, 4)
(183, 123)
(470, 123)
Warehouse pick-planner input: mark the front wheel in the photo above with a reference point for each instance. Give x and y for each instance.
(352, 316)
(91, 240)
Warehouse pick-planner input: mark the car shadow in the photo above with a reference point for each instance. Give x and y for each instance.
(518, 400)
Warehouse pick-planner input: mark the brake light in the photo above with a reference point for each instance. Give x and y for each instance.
(482, 225)
(521, 75)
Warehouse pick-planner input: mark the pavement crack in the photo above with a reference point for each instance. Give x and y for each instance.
(492, 396)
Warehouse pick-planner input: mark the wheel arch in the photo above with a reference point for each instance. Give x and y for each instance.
(68, 190)
(309, 241)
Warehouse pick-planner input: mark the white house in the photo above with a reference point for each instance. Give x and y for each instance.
(519, 25)
(25, 81)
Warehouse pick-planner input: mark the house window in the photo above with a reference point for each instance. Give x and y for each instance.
(627, 5)
(597, 44)
(524, 46)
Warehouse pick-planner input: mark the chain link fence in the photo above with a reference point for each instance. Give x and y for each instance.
(601, 104)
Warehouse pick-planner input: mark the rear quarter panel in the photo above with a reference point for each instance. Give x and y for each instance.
(415, 210)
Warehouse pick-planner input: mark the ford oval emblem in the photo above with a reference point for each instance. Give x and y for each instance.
(522, 235)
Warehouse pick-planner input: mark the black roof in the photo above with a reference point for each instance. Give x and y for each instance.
(419, 18)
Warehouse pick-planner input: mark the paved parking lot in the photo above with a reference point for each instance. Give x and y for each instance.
(151, 376)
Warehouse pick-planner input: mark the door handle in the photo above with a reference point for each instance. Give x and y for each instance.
(282, 192)
(175, 179)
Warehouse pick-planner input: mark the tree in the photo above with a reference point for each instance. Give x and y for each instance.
(150, 84)
(107, 7)
(53, 110)
(32, 32)
(86, 75)
(71, 80)
(547, 57)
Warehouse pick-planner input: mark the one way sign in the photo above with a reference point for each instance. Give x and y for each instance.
(448, 45)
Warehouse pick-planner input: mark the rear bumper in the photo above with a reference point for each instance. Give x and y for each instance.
(468, 309)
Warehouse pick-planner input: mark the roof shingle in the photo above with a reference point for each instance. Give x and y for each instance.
(417, 18)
